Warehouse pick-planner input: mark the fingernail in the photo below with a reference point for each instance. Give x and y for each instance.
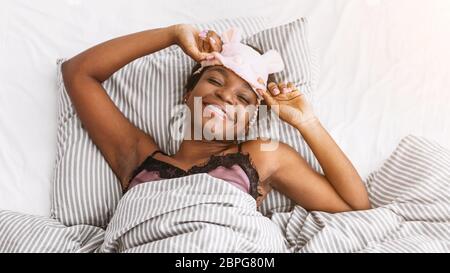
(284, 90)
(276, 91)
(213, 42)
(210, 57)
(203, 34)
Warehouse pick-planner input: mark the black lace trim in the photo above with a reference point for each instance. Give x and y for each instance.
(168, 171)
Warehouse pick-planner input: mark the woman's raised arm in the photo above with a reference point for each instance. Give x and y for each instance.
(123, 145)
(340, 188)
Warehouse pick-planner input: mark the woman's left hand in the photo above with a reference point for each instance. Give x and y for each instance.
(197, 44)
(292, 105)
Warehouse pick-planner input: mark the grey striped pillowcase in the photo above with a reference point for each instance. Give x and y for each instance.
(21, 233)
(416, 176)
(86, 191)
(410, 194)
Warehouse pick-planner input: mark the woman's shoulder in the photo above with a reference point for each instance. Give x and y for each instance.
(265, 154)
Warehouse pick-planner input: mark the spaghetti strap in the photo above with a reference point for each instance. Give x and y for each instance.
(240, 147)
(158, 151)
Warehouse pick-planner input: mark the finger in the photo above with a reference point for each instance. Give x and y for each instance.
(291, 87)
(206, 44)
(294, 94)
(273, 88)
(289, 96)
(295, 89)
(260, 92)
(201, 45)
(268, 98)
(209, 44)
(203, 34)
(215, 41)
(283, 88)
(198, 56)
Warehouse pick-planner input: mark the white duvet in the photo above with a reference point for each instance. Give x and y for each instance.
(384, 72)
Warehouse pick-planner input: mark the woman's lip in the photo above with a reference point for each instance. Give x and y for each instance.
(219, 110)
(215, 111)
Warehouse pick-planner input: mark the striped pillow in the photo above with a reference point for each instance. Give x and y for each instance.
(415, 178)
(86, 191)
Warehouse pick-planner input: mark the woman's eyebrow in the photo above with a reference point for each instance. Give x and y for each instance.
(220, 70)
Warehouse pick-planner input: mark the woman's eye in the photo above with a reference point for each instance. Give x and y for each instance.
(214, 81)
(244, 99)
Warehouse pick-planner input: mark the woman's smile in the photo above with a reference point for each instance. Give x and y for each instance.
(218, 110)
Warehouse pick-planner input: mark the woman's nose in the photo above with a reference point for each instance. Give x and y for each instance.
(226, 95)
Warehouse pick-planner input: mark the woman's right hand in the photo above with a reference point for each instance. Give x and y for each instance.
(198, 45)
(293, 107)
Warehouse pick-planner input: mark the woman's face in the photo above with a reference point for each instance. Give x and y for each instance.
(224, 103)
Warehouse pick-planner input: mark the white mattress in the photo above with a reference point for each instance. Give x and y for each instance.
(384, 72)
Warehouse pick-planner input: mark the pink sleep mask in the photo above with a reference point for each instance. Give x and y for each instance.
(243, 60)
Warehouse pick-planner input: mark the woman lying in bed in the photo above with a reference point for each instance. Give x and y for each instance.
(231, 79)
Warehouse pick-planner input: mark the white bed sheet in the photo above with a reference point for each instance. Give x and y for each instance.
(384, 72)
